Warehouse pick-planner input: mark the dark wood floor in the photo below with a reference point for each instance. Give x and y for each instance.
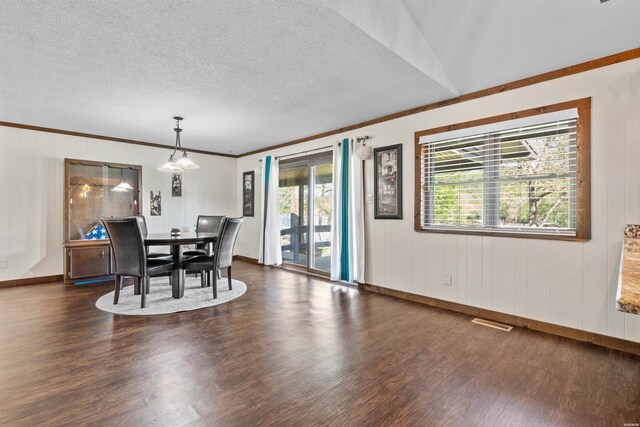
(295, 351)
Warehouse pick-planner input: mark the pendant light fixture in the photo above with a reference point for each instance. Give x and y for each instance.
(183, 162)
(123, 186)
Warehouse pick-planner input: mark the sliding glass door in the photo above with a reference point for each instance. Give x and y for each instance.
(303, 210)
(294, 208)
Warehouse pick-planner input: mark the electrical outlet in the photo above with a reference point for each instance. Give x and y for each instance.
(4, 263)
(447, 279)
(369, 199)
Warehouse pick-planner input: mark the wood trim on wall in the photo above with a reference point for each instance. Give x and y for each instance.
(537, 325)
(551, 75)
(31, 281)
(323, 275)
(246, 259)
(583, 230)
(108, 138)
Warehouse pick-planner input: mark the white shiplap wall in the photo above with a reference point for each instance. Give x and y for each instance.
(32, 191)
(566, 283)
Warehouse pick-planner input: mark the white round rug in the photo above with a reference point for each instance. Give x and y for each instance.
(160, 301)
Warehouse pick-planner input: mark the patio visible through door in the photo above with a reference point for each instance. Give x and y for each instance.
(302, 210)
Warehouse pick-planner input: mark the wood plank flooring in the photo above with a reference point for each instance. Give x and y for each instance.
(295, 350)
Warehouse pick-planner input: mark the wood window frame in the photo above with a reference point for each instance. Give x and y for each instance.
(583, 192)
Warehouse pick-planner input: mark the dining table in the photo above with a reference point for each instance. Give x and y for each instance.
(176, 242)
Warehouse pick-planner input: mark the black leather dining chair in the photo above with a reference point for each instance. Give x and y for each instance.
(131, 260)
(222, 254)
(205, 224)
(143, 227)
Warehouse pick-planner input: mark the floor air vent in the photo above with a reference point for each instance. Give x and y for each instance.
(491, 324)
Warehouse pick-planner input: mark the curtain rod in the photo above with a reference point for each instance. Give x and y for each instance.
(358, 139)
(301, 152)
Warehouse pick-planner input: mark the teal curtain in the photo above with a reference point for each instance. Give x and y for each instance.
(344, 253)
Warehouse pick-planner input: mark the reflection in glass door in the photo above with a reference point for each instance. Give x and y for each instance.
(293, 208)
(302, 210)
(322, 206)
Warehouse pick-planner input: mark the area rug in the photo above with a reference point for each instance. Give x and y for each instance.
(160, 301)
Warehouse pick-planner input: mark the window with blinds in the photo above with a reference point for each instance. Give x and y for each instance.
(517, 176)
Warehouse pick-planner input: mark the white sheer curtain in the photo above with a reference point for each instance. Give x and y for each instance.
(347, 232)
(270, 252)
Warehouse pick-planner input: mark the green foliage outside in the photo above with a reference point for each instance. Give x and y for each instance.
(532, 190)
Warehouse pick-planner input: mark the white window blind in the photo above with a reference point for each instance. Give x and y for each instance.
(517, 179)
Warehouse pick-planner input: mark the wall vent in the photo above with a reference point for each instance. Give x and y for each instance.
(494, 325)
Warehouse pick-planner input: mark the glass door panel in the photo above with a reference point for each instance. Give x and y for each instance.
(322, 208)
(94, 191)
(293, 207)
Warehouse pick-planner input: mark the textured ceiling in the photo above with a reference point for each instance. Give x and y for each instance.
(247, 74)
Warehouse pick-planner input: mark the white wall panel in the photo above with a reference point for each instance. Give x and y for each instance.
(565, 287)
(474, 271)
(486, 295)
(520, 282)
(450, 267)
(504, 275)
(462, 270)
(609, 125)
(435, 264)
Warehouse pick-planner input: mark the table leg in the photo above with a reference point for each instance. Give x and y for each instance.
(177, 275)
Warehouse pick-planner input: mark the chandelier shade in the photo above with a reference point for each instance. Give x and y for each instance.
(186, 163)
(171, 166)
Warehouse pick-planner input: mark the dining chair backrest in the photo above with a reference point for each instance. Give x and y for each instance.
(209, 223)
(226, 241)
(127, 243)
(142, 221)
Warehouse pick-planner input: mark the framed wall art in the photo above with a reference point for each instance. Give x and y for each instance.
(387, 182)
(248, 193)
(176, 185)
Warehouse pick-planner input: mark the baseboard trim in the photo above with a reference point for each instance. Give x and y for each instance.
(289, 267)
(537, 325)
(31, 281)
(246, 259)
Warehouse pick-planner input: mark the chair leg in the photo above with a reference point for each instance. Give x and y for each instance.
(208, 274)
(215, 284)
(229, 277)
(219, 273)
(148, 287)
(118, 284)
(136, 286)
(203, 280)
(144, 282)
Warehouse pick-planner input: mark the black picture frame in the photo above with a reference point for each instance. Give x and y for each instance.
(387, 182)
(176, 184)
(248, 193)
(155, 203)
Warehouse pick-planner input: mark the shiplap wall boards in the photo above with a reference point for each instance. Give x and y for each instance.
(566, 283)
